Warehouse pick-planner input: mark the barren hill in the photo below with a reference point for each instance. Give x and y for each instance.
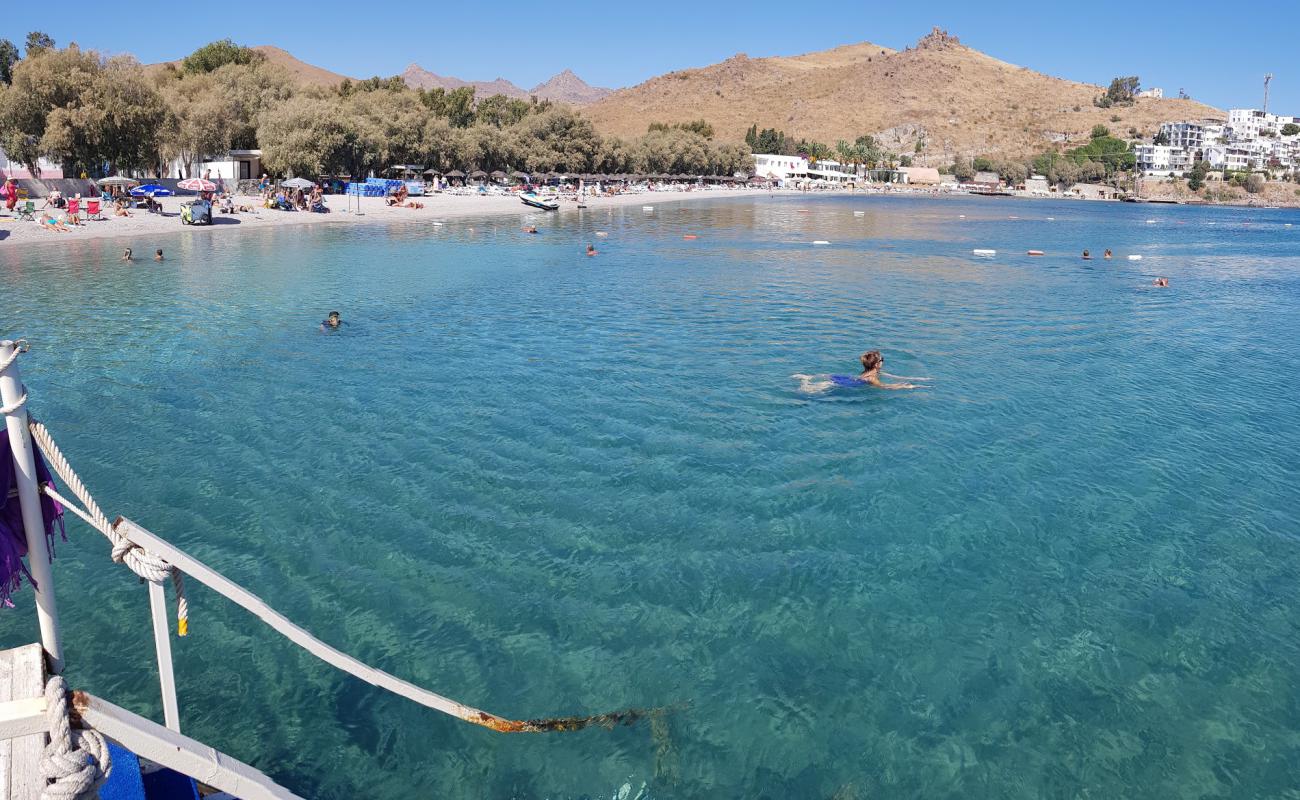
(418, 77)
(567, 87)
(301, 70)
(954, 99)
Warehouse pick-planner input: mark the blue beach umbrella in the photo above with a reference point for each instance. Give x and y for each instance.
(151, 189)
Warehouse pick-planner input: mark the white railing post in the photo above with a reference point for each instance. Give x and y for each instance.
(163, 644)
(29, 498)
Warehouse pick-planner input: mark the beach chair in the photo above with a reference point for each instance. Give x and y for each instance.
(27, 211)
(74, 210)
(94, 210)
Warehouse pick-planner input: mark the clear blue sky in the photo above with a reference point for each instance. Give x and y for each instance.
(1217, 51)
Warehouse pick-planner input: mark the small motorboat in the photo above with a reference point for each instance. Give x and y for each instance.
(532, 199)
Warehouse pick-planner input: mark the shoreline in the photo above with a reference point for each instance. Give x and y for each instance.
(142, 225)
(16, 236)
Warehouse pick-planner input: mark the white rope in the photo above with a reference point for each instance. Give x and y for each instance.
(20, 347)
(76, 761)
(140, 561)
(14, 406)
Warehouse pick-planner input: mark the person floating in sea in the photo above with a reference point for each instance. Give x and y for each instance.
(333, 322)
(1107, 255)
(126, 255)
(591, 250)
(1087, 256)
(872, 370)
(528, 229)
(157, 254)
(1162, 282)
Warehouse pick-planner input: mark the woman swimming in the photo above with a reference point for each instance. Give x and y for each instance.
(872, 369)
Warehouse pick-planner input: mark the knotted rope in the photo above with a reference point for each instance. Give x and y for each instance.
(76, 761)
(140, 561)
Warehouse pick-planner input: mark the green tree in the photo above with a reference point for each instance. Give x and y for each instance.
(1255, 183)
(1161, 138)
(963, 170)
(1099, 131)
(38, 43)
(308, 136)
(1197, 179)
(982, 164)
(1122, 91)
(1290, 129)
(214, 55)
(8, 58)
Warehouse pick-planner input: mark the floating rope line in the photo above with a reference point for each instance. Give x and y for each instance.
(143, 563)
(77, 761)
(152, 567)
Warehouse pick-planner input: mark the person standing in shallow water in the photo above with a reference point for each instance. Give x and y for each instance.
(872, 369)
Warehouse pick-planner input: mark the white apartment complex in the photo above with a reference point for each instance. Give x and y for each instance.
(1250, 140)
(796, 169)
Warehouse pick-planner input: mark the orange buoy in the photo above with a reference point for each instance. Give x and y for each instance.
(1034, 253)
(689, 236)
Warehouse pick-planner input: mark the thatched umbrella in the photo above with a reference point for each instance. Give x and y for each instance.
(478, 173)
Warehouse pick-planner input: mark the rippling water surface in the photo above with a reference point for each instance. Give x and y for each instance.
(547, 484)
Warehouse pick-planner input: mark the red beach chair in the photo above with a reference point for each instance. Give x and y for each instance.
(74, 210)
(93, 210)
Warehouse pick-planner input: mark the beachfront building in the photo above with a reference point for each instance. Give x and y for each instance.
(783, 169)
(831, 172)
(1163, 160)
(233, 165)
(921, 176)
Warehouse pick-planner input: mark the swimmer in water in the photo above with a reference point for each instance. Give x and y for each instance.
(530, 229)
(126, 255)
(1106, 255)
(157, 255)
(1087, 256)
(1164, 282)
(333, 322)
(872, 369)
(591, 250)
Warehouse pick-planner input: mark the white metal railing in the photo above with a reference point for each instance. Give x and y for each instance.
(157, 558)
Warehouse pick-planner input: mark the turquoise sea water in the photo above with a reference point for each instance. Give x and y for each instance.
(546, 484)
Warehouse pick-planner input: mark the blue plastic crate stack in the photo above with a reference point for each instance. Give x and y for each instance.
(366, 190)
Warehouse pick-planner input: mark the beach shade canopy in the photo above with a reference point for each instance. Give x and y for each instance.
(455, 173)
(518, 174)
(197, 185)
(496, 173)
(118, 180)
(432, 172)
(298, 183)
(151, 189)
(478, 173)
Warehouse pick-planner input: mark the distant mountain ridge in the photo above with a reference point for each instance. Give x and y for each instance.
(933, 101)
(566, 87)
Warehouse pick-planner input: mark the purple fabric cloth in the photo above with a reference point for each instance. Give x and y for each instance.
(13, 540)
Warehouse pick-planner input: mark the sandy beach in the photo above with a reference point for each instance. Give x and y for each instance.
(142, 231)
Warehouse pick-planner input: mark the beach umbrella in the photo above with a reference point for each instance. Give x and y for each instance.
(151, 189)
(197, 185)
(478, 173)
(298, 183)
(455, 173)
(118, 180)
(518, 174)
(432, 172)
(496, 173)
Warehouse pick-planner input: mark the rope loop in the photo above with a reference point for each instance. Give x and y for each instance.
(76, 762)
(147, 565)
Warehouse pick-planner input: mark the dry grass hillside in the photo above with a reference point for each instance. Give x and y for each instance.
(957, 100)
(301, 71)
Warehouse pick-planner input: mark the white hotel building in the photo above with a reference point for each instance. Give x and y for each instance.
(790, 170)
(1249, 140)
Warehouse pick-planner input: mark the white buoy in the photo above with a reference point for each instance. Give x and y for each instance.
(820, 241)
(1051, 219)
(859, 213)
(1135, 258)
(1151, 222)
(647, 208)
(961, 216)
(982, 252)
